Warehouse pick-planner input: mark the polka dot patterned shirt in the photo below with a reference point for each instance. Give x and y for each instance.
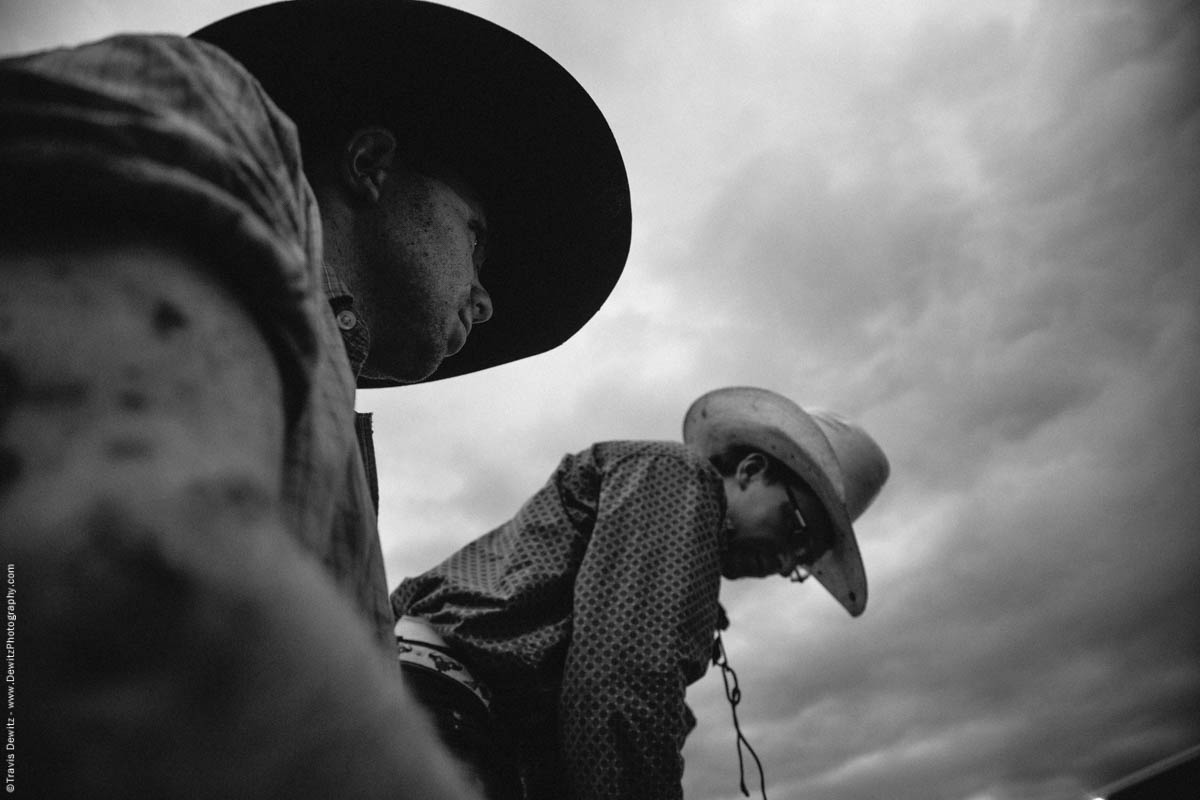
(588, 614)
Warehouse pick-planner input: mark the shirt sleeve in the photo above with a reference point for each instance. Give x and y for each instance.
(645, 607)
(173, 134)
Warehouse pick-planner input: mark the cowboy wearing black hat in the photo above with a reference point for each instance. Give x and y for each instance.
(210, 243)
(575, 627)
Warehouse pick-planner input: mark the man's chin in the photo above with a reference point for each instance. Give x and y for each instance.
(734, 572)
(401, 374)
(746, 564)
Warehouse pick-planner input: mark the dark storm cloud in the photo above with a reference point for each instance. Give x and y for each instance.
(982, 247)
(1033, 320)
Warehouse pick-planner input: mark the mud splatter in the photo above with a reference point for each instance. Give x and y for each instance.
(168, 318)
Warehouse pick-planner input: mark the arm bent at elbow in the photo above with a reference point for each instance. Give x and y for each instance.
(172, 636)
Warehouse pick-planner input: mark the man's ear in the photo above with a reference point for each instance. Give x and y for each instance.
(752, 467)
(369, 154)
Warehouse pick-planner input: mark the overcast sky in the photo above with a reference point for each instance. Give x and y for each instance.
(971, 226)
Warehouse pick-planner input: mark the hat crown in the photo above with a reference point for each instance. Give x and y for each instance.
(864, 467)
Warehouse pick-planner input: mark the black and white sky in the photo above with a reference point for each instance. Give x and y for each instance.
(971, 226)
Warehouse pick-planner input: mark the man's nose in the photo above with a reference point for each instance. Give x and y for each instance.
(481, 304)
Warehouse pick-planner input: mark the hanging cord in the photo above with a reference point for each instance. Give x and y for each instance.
(734, 696)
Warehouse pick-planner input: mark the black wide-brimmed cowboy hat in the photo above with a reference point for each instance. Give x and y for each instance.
(836, 458)
(483, 102)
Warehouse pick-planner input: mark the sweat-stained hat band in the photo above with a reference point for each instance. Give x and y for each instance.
(489, 105)
(837, 459)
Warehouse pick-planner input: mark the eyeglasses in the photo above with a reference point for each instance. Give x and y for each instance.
(800, 533)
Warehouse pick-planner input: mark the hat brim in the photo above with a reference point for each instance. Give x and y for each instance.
(757, 418)
(489, 105)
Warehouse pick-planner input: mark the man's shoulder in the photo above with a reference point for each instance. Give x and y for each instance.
(155, 73)
(137, 49)
(618, 451)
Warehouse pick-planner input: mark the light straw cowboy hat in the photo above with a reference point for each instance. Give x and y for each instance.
(491, 106)
(837, 459)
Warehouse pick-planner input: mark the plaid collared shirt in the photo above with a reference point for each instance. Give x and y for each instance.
(174, 133)
(588, 614)
(357, 339)
(341, 303)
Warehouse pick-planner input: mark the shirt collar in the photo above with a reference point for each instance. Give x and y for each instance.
(355, 336)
